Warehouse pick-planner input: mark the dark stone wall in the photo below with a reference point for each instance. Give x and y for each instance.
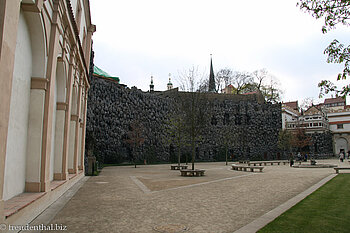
(254, 128)
(322, 144)
(112, 108)
(253, 125)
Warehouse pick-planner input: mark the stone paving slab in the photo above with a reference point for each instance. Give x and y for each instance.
(221, 201)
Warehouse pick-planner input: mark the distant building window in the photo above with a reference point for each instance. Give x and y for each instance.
(340, 126)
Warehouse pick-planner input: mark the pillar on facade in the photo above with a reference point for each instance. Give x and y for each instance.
(67, 119)
(91, 31)
(50, 104)
(77, 142)
(74, 119)
(35, 134)
(61, 108)
(85, 96)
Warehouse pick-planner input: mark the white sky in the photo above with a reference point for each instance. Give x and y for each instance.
(136, 39)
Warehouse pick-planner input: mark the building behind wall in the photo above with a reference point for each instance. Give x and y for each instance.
(327, 122)
(339, 123)
(44, 61)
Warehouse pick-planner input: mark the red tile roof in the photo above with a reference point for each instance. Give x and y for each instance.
(250, 93)
(292, 105)
(334, 100)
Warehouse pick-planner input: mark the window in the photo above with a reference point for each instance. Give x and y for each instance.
(226, 118)
(340, 126)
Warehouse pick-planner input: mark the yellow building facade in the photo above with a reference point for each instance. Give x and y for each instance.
(44, 66)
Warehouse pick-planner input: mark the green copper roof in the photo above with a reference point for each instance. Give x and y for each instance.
(101, 73)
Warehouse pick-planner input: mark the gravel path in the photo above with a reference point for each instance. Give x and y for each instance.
(154, 198)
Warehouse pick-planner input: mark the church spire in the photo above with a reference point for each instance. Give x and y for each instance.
(151, 87)
(211, 77)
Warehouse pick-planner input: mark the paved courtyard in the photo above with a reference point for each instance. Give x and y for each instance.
(153, 197)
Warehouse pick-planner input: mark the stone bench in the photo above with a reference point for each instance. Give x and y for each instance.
(177, 167)
(190, 172)
(341, 168)
(246, 168)
(243, 161)
(254, 163)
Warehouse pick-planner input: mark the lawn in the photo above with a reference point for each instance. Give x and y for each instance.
(325, 210)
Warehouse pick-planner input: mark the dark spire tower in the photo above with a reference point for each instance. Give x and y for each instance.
(211, 77)
(151, 86)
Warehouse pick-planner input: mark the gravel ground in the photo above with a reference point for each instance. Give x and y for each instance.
(153, 198)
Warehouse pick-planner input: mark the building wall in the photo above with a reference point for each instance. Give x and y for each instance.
(345, 129)
(40, 62)
(287, 116)
(341, 136)
(341, 142)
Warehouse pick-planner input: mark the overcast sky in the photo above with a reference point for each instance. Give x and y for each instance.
(136, 39)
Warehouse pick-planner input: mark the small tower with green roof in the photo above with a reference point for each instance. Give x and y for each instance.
(169, 85)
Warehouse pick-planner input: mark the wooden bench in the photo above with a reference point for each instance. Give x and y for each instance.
(177, 167)
(246, 168)
(341, 168)
(190, 172)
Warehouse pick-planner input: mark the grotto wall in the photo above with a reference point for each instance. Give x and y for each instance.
(253, 125)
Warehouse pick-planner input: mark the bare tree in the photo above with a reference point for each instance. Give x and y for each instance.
(267, 84)
(135, 139)
(306, 103)
(223, 78)
(176, 130)
(191, 80)
(229, 138)
(300, 139)
(271, 91)
(285, 138)
(260, 77)
(241, 81)
(194, 107)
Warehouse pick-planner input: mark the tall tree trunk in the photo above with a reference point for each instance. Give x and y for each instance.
(193, 153)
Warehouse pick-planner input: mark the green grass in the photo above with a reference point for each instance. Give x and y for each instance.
(325, 210)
